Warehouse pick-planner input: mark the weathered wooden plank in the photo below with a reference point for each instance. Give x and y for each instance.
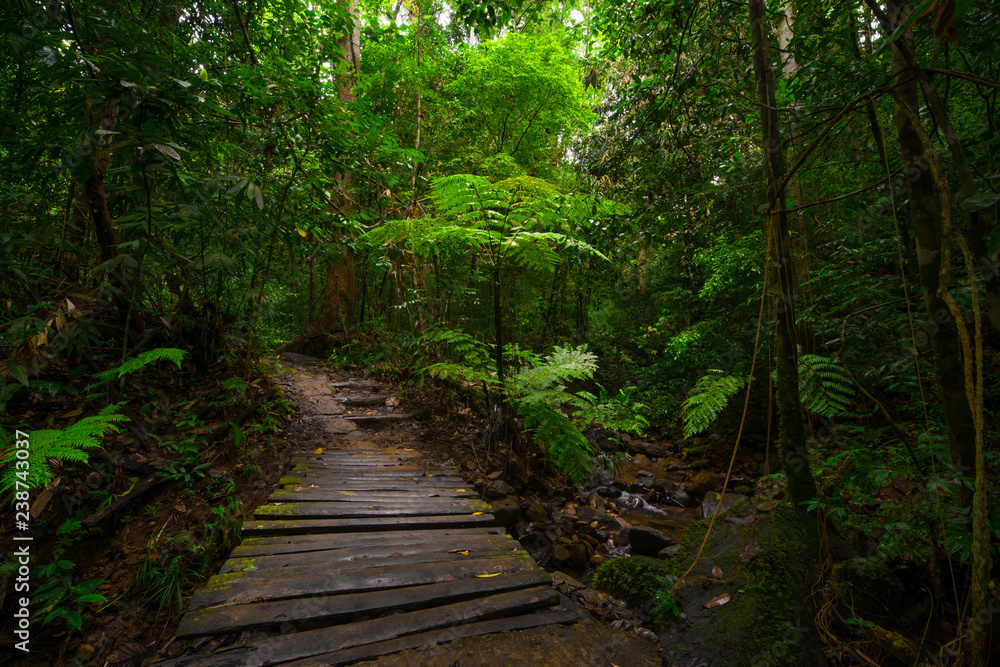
(374, 420)
(367, 651)
(354, 384)
(372, 556)
(361, 400)
(316, 526)
(318, 493)
(322, 510)
(337, 608)
(299, 645)
(263, 546)
(244, 588)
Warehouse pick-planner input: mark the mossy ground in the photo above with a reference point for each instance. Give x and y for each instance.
(768, 618)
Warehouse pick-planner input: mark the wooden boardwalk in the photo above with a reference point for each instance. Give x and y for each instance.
(360, 554)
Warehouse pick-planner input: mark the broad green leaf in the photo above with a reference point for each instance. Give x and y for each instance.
(980, 200)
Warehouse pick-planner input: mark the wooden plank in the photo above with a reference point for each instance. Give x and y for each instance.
(332, 609)
(372, 556)
(333, 494)
(263, 546)
(244, 588)
(299, 645)
(376, 420)
(322, 510)
(316, 526)
(354, 384)
(442, 636)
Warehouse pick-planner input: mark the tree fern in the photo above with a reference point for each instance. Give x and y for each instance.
(825, 390)
(709, 397)
(68, 444)
(564, 444)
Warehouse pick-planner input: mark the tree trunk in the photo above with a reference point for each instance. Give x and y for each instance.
(337, 307)
(94, 187)
(925, 213)
(792, 435)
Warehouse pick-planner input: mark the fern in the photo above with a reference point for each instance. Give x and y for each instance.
(141, 361)
(73, 442)
(567, 448)
(825, 390)
(709, 397)
(562, 365)
(823, 387)
(68, 444)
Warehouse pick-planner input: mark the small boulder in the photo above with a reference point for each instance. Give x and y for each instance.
(498, 489)
(668, 552)
(704, 481)
(561, 554)
(506, 511)
(650, 449)
(608, 492)
(699, 464)
(536, 513)
(646, 541)
(578, 553)
(712, 500)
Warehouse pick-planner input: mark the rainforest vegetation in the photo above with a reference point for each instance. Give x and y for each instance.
(761, 232)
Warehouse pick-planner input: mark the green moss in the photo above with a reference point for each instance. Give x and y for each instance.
(633, 578)
(289, 480)
(765, 621)
(276, 510)
(223, 580)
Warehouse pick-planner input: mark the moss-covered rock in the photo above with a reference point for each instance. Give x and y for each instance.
(631, 578)
(766, 568)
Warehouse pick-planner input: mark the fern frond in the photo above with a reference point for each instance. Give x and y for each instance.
(568, 449)
(68, 444)
(562, 365)
(826, 390)
(141, 361)
(709, 397)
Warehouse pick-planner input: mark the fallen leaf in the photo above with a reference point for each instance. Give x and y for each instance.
(717, 601)
(717, 572)
(318, 450)
(464, 552)
(71, 413)
(477, 513)
(767, 505)
(346, 493)
(483, 576)
(750, 550)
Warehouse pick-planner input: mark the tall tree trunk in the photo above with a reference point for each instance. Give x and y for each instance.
(97, 202)
(792, 435)
(337, 307)
(925, 214)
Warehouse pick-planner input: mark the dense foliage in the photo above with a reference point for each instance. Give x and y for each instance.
(777, 222)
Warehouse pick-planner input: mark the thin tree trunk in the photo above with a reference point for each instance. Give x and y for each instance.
(792, 436)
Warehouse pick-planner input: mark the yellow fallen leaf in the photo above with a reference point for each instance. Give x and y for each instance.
(407, 449)
(318, 450)
(464, 552)
(71, 413)
(346, 493)
(477, 513)
(460, 490)
(483, 576)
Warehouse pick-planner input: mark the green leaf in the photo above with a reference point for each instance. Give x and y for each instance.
(918, 12)
(994, 242)
(980, 200)
(17, 370)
